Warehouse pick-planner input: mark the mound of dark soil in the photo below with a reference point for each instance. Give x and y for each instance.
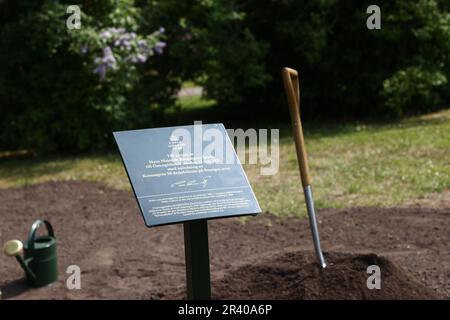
(295, 276)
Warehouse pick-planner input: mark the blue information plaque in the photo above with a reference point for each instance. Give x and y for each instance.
(185, 173)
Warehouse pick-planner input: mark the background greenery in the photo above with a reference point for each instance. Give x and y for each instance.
(51, 101)
(235, 49)
(359, 164)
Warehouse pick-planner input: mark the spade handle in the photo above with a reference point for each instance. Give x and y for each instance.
(292, 88)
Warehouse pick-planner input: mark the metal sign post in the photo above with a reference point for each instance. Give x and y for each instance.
(197, 260)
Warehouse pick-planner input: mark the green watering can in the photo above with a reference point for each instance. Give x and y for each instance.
(39, 259)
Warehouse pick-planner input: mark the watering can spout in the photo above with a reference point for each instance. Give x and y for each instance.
(14, 248)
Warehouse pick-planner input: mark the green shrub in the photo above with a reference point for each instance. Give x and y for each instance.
(412, 89)
(423, 84)
(67, 90)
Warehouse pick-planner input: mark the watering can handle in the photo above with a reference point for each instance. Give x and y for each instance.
(34, 227)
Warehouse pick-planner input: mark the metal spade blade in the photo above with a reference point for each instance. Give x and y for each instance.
(313, 224)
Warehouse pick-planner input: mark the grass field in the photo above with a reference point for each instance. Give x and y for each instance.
(351, 165)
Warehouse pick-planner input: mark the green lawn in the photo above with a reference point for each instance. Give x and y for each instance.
(351, 165)
(363, 165)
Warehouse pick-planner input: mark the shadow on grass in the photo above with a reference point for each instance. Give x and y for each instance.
(29, 168)
(245, 119)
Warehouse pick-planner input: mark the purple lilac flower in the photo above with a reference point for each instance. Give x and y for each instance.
(110, 32)
(141, 58)
(142, 44)
(159, 46)
(84, 49)
(125, 40)
(104, 63)
(108, 57)
(123, 44)
(105, 34)
(159, 32)
(138, 58)
(101, 71)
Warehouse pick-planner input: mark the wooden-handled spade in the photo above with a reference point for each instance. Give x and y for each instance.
(291, 85)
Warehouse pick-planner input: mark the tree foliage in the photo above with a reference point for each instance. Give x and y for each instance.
(66, 89)
(237, 48)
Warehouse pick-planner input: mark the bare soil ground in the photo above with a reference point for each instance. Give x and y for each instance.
(101, 230)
